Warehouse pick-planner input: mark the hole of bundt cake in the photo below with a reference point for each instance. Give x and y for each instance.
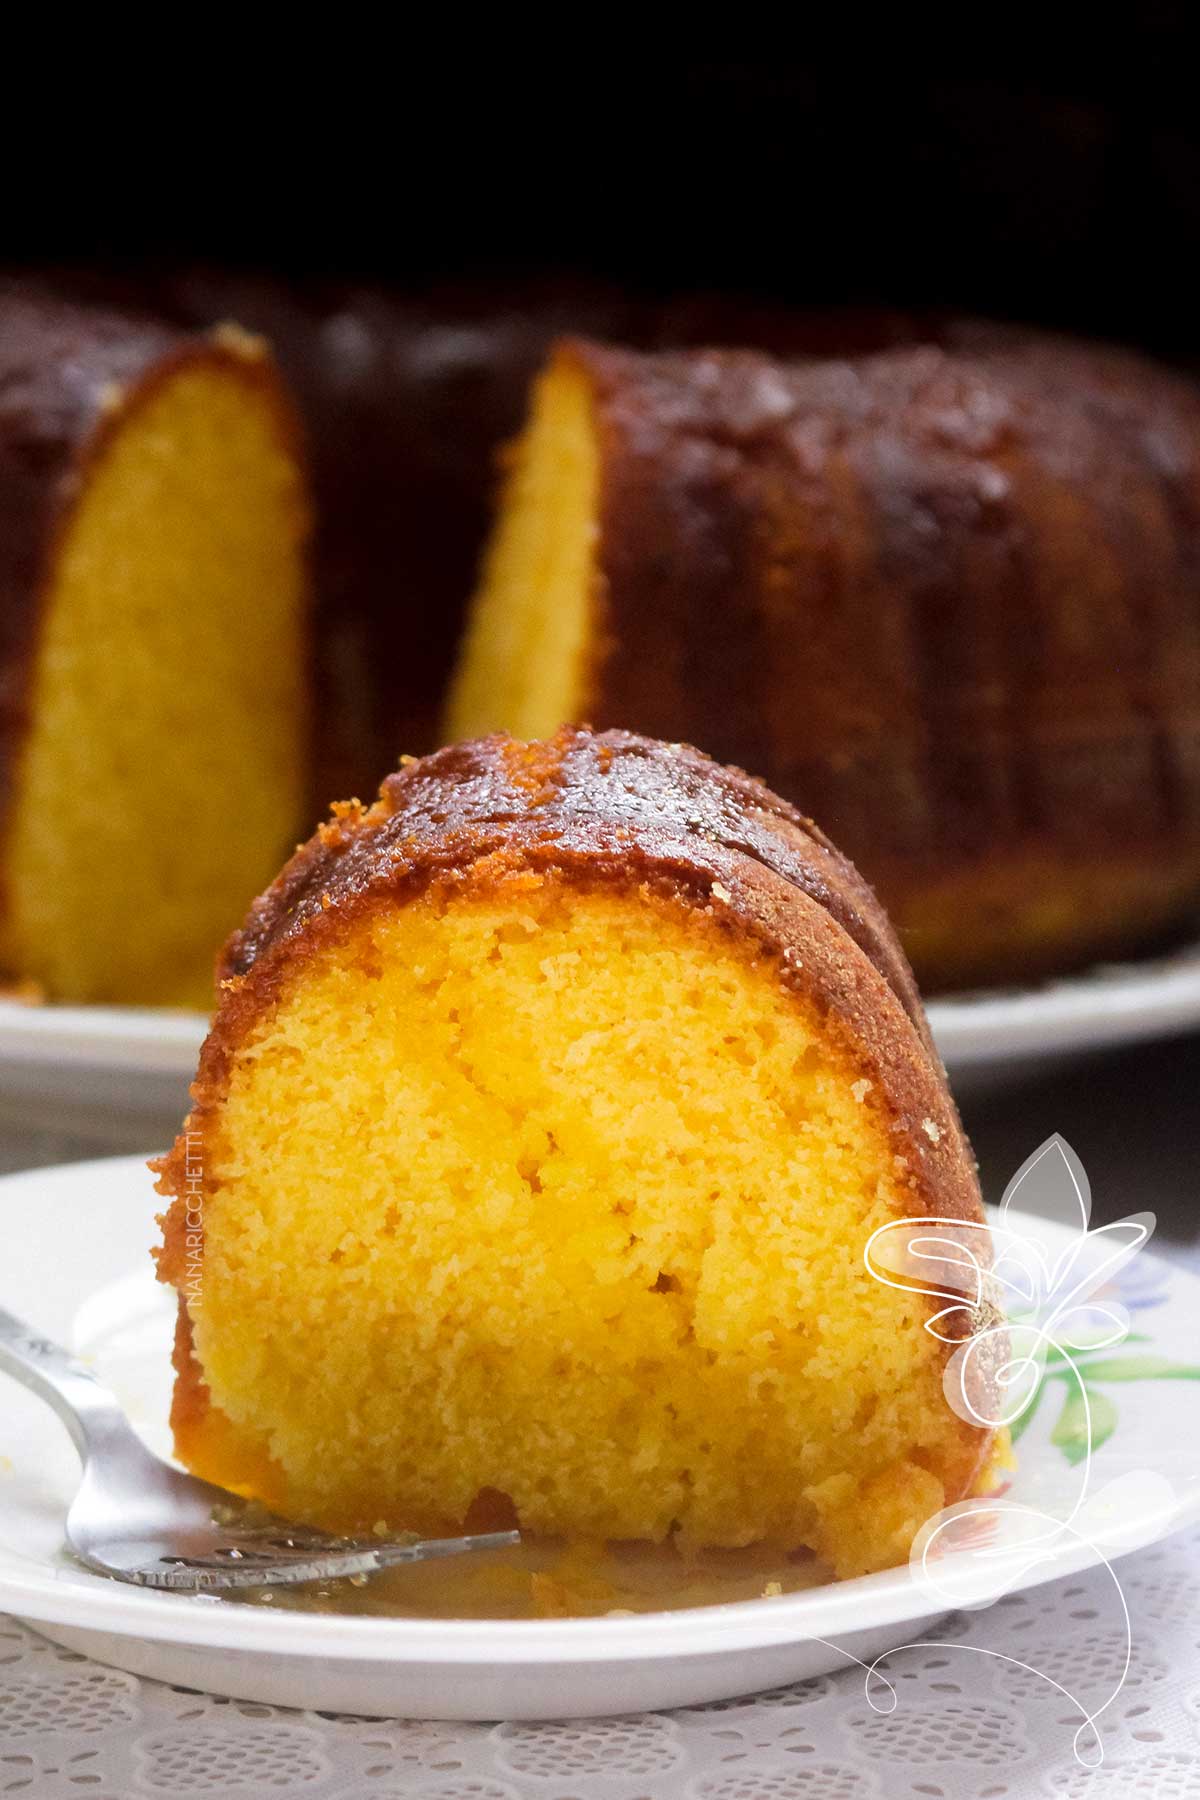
(167, 736)
(500, 1326)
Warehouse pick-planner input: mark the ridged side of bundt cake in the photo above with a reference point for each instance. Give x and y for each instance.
(407, 399)
(548, 1109)
(153, 646)
(946, 600)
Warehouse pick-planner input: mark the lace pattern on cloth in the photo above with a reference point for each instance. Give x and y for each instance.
(966, 1727)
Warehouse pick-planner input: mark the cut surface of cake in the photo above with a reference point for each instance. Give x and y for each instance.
(548, 1109)
(945, 600)
(153, 647)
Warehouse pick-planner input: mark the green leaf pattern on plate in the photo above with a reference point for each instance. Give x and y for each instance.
(1070, 1432)
(1137, 1368)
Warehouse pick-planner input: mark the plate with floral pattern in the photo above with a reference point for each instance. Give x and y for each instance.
(1103, 1400)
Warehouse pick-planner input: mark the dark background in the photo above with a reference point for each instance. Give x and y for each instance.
(1045, 168)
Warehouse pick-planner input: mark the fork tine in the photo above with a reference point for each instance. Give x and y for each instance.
(429, 1549)
(215, 1572)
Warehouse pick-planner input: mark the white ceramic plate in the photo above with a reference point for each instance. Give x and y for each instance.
(119, 1075)
(992, 1034)
(74, 1265)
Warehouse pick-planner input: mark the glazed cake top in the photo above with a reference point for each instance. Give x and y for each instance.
(647, 810)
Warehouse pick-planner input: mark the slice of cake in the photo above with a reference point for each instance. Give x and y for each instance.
(945, 600)
(548, 1109)
(153, 647)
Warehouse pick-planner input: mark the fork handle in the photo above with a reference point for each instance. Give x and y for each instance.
(89, 1411)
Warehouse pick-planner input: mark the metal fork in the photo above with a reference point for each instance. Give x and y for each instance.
(137, 1518)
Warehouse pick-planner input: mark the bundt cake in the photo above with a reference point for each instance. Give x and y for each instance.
(547, 1111)
(946, 600)
(406, 397)
(153, 715)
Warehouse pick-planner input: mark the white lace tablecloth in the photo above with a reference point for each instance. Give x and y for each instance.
(966, 1726)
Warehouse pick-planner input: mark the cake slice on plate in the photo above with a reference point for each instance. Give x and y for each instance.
(549, 1107)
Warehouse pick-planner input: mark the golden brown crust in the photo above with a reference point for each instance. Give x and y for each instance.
(70, 377)
(609, 809)
(647, 810)
(948, 601)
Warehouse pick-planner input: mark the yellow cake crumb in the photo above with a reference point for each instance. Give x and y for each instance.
(556, 1196)
(163, 772)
